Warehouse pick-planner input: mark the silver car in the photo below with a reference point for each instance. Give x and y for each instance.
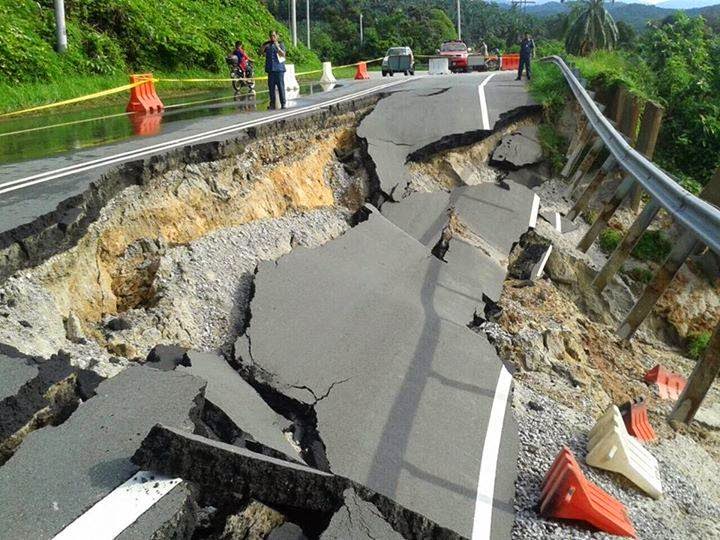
(398, 60)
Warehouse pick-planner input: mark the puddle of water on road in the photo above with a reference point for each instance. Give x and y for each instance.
(117, 126)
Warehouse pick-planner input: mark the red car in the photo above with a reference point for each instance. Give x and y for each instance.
(457, 55)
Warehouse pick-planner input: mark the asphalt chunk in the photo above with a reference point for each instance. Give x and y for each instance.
(60, 472)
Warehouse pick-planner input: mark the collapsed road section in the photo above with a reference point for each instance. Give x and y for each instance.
(313, 365)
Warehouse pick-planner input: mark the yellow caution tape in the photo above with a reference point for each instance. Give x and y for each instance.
(138, 83)
(77, 99)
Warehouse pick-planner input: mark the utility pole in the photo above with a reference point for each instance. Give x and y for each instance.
(307, 21)
(60, 26)
(458, 20)
(361, 29)
(293, 16)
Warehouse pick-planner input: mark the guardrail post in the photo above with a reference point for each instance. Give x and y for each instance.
(626, 246)
(607, 167)
(630, 118)
(647, 138)
(586, 140)
(703, 375)
(582, 134)
(618, 104)
(606, 213)
(683, 248)
(587, 164)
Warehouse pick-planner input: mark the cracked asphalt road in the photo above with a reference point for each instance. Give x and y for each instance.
(373, 338)
(427, 110)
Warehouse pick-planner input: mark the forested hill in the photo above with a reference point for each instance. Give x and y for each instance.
(636, 15)
(115, 36)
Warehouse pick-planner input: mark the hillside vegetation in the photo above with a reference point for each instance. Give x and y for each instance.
(109, 37)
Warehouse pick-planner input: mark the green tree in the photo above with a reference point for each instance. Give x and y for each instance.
(682, 52)
(627, 36)
(592, 28)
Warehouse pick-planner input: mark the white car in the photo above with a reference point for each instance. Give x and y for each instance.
(398, 60)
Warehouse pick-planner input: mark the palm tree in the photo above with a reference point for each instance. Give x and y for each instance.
(592, 28)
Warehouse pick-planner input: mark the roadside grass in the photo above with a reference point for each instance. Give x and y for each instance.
(609, 239)
(553, 145)
(549, 89)
(697, 344)
(653, 246)
(643, 275)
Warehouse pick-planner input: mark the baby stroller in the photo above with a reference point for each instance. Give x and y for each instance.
(241, 77)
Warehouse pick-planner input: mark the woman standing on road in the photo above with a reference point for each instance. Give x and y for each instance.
(275, 68)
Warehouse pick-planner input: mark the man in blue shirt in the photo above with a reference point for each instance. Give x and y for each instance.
(527, 51)
(275, 68)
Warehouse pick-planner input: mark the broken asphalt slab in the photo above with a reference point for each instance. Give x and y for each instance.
(409, 120)
(358, 520)
(482, 259)
(374, 338)
(518, 149)
(227, 391)
(35, 392)
(60, 472)
(225, 467)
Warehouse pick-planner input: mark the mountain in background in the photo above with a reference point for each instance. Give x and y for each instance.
(636, 15)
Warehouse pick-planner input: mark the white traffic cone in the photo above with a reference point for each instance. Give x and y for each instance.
(327, 74)
(611, 448)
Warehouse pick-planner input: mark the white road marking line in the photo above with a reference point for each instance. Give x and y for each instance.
(533, 212)
(134, 154)
(558, 222)
(539, 271)
(120, 508)
(488, 466)
(483, 102)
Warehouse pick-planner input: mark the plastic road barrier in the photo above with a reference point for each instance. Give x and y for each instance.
(291, 82)
(327, 74)
(144, 98)
(438, 66)
(567, 494)
(510, 62)
(611, 448)
(362, 71)
(669, 385)
(637, 423)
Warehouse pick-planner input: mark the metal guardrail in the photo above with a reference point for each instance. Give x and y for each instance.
(697, 215)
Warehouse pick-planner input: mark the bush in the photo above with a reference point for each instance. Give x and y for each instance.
(643, 275)
(652, 246)
(110, 36)
(609, 239)
(697, 344)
